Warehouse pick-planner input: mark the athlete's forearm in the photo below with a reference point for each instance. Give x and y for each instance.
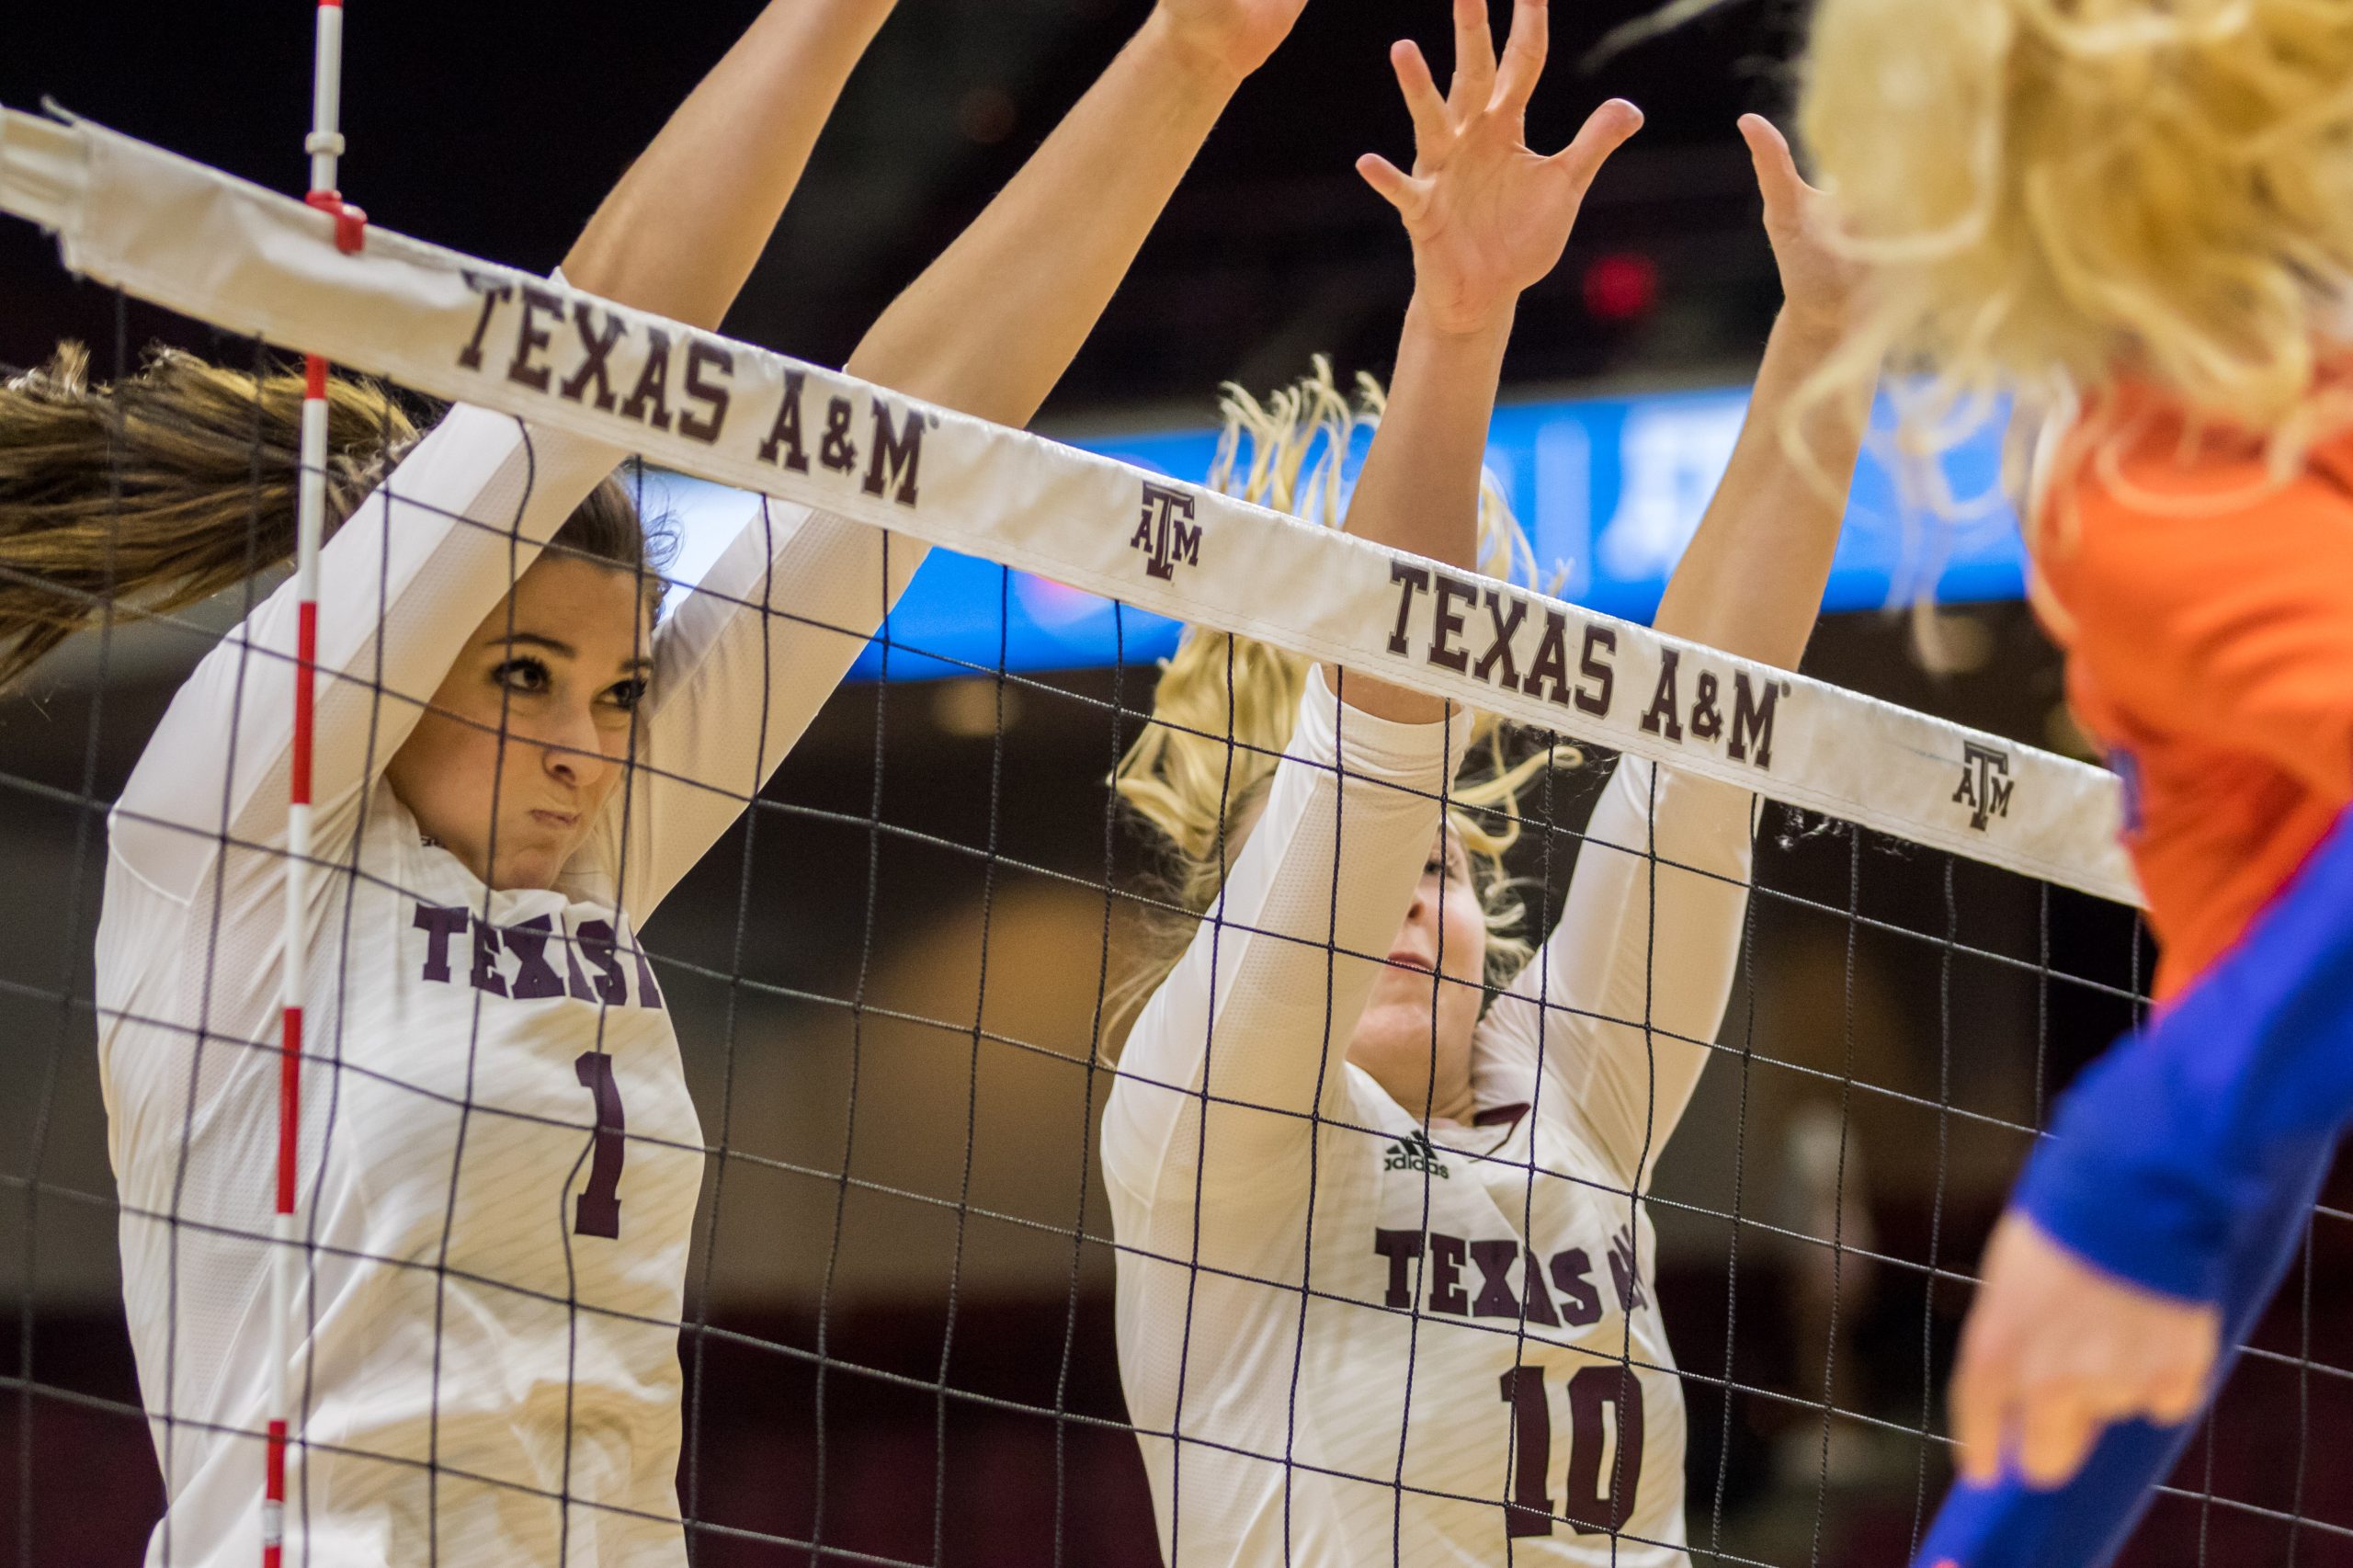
(680, 233)
(1250, 1027)
(1751, 582)
(2163, 1150)
(991, 326)
(1419, 490)
(1660, 888)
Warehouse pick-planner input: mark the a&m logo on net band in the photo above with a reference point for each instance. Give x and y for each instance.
(1167, 532)
(1985, 784)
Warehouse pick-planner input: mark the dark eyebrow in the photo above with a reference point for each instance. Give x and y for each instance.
(530, 640)
(642, 665)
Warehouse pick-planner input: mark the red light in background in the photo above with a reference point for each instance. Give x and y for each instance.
(1622, 287)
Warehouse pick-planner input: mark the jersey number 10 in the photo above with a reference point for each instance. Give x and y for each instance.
(1589, 1509)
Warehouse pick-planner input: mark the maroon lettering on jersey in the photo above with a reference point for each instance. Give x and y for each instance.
(1400, 1247)
(597, 943)
(1539, 1299)
(597, 1211)
(1623, 1275)
(439, 923)
(486, 975)
(1572, 1278)
(648, 994)
(1495, 1260)
(1590, 1392)
(534, 976)
(1529, 1512)
(1446, 1275)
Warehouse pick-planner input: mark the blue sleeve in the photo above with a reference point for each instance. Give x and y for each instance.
(2181, 1137)
(2187, 1160)
(2008, 1523)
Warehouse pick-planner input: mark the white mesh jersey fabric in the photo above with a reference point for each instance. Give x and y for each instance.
(1477, 1327)
(486, 1347)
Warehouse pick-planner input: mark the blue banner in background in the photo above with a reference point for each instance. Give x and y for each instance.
(1611, 489)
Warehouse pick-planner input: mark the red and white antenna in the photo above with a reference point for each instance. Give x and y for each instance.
(324, 144)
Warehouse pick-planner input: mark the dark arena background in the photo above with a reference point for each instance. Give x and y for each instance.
(899, 1342)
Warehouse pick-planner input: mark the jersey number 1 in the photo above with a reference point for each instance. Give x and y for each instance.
(598, 1211)
(1589, 1510)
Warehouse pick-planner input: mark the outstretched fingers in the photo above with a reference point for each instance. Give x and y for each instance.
(1978, 1411)
(2178, 1392)
(1433, 130)
(1605, 131)
(1524, 52)
(1776, 168)
(1474, 60)
(1395, 186)
(2056, 1431)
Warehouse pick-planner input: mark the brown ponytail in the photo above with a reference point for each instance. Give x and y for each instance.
(160, 490)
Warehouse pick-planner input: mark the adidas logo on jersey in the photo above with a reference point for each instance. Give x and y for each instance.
(1413, 1152)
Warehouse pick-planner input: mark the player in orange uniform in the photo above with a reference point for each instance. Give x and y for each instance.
(2136, 218)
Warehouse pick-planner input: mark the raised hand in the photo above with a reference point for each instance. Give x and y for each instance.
(1818, 281)
(1233, 36)
(1488, 217)
(2056, 1351)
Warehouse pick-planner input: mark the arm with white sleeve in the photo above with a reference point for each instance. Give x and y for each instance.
(417, 567)
(1244, 1046)
(1242, 1050)
(1613, 1023)
(1609, 1027)
(988, 329)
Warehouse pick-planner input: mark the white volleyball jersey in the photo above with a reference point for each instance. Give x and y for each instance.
(1354, 1339)
(500, 1160)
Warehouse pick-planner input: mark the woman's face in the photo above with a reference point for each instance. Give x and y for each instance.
(527, 735)
(1414, 1035)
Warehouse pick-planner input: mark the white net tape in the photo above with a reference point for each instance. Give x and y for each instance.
(196, 241)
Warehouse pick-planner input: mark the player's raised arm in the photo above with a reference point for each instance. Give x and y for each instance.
(404, 597)
(681, 229)
(1622, 1051)
(1751, 582)
(987, 329)
(1265, 1000)
(991, 325)
(1488, 217)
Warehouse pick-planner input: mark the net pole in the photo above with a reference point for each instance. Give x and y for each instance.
(325, 145)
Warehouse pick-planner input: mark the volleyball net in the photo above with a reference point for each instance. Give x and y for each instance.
(891, 988)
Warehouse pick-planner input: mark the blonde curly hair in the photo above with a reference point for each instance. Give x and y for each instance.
(1224, 710)
(2055, 196)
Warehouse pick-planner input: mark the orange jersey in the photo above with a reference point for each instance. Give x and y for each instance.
(2208, 614)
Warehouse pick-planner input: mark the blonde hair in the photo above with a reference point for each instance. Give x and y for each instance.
(1224, 710)
(151, 494)
(2053, 196)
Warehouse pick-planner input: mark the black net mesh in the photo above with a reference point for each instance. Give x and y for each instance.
(889, 984)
